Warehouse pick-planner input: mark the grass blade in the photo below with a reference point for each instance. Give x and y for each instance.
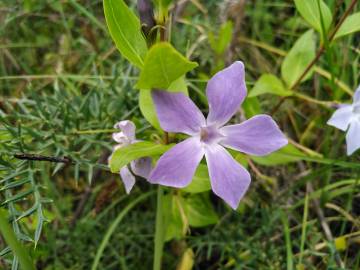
(10, 238)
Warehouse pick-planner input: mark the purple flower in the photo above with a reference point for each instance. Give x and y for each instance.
(177, 113)
(347, 117)
(140, 167)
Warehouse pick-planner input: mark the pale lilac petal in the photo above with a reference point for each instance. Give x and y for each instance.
(128, 129)
(357, 95)
(257, 136)
(225, 91)
(128, 178)
(341, 117)
(229, 180)
(141, 167)
(177, 166)
(353, 137)
(177, 112)
(121, 138)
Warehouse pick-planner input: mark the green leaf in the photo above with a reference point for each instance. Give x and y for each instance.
(220, 43)
(163, 65)
(285, 155)
(125, 30)
(298, 58)
(146, 103)
(180, 212)
(124, 155)
(14, 184)
(251, 106)
(349, 26)
(147, 108)
(18, 196)
(174, 214)
(200, 181)
(10, 238)
(309, 10)
(39, 225)
(199, 211)
(269, 83)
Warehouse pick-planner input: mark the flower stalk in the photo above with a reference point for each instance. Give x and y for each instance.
(159, 230)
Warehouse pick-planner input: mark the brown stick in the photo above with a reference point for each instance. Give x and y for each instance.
(318, 54)
(24, 156)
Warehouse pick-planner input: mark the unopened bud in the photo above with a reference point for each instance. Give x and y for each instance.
(146, 14)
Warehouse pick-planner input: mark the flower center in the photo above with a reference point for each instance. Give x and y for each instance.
(210, 135)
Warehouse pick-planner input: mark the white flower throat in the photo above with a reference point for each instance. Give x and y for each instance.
(210, 135)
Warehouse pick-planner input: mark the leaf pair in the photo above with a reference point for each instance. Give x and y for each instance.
(162, 67)
(293, 66)
(318, 15)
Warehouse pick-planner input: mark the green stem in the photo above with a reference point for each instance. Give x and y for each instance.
(159, 230)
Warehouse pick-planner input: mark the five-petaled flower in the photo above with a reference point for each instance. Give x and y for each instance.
(259, 136)
(347, 118)
(141, 166)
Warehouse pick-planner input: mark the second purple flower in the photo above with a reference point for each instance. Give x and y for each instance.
(258, 136)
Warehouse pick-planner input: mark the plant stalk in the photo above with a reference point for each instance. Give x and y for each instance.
(159, 230)
(160, 224)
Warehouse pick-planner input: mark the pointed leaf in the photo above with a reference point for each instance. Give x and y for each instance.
(5, 251)
(298, 58)
(163, 65)
(15, 184)
(285, 155)
(349, 26)
(173, 211)
(19, 196)
(39, 224)
(220, 43)
(315, 13)
(125, 29)
(270, 84)
(124, 155)
(28, 212)
(199, 211)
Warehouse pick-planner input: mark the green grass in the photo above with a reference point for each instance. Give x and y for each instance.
(64, 85)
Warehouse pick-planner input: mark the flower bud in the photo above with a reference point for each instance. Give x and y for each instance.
(146, 14)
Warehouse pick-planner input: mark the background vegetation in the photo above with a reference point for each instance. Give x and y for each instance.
(64, 85)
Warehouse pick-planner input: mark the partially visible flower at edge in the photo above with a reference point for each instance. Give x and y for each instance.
(141, 166)
(347, 118)
(177, 113)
